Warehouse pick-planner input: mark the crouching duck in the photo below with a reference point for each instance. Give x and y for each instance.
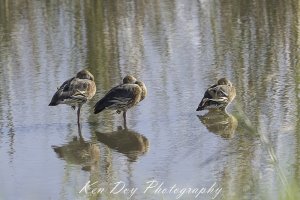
(122, 97)
(218, 96)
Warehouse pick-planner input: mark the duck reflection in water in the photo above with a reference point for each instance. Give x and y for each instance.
(220, 123)
(79, 152)
(127, 142)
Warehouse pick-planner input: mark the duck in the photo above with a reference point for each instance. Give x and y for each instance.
(218, 96)
(122, 97)
(75, 91)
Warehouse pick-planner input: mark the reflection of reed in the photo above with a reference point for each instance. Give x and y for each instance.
(79, 152)
(128, 142)
(220, 123)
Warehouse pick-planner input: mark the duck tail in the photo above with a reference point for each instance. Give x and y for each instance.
(200, 108)
(202, 104)
(53, 104)
(55, 99)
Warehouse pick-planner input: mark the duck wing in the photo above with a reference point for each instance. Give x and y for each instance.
(120, 97)
(214, 97)
(210, 92)
(74, 91)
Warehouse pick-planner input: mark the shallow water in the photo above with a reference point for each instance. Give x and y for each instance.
(178, 49)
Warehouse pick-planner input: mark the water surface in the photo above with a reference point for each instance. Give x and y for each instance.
(178, 49)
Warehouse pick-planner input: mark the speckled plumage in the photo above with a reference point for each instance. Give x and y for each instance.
(75, 91)
(123, 96)
(218, 96)
(144, 90)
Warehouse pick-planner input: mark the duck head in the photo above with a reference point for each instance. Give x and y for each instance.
(224, 81)
(129, 79)
(85, 74)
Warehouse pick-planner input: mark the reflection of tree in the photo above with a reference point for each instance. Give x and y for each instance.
(297, 92)
(114, 42)
(255, 42)
(258, 49)
(7, 121)
(252, 46)
(128, 142)
(220, 123)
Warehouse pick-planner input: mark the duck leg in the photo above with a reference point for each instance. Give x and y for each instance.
(78, 116)
(124, 116)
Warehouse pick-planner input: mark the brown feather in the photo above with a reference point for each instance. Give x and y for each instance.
(75, 91)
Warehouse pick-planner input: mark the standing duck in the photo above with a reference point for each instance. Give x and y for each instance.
(75, 91)
(122, 97)
(218, 96)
